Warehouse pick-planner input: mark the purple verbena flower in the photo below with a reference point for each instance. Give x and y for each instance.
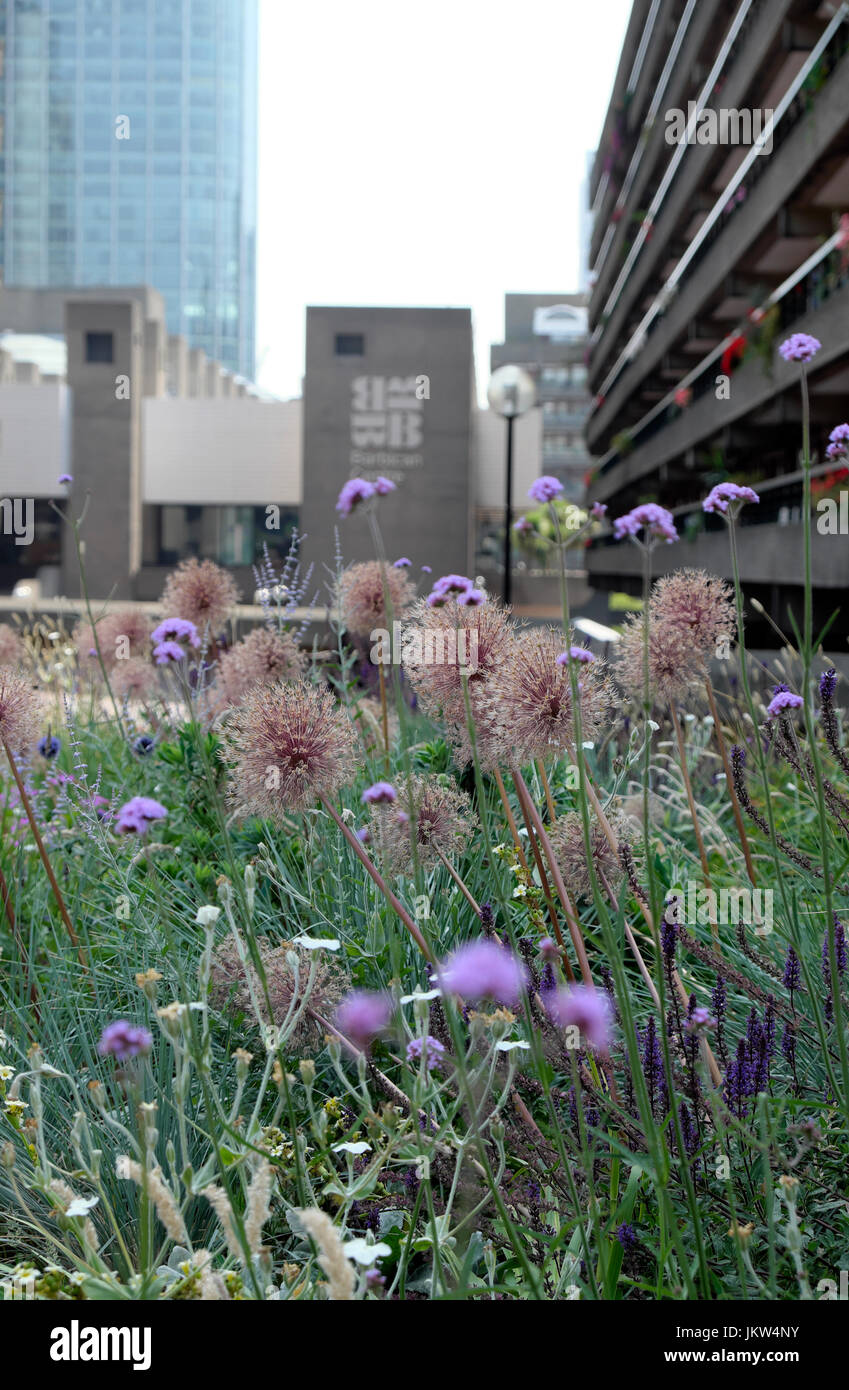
(718, 498)
(657, 521)
(434, 1051)
(122, 1041)
(65, 478)
(598, 509)
(523, 526)
(699, 1020)
(799, 347)
(379, 794)
(166, 652)
(176, 630)
(402, 564)
(383, 486)
(545, 489)
(355, 490)
(785, 699)
(471, 598)
(452, 584)
(577, 654)
(136, 815)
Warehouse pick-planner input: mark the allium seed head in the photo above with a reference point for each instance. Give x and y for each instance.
(672, 662)
(435, 809)
(264, 657)
(567, 839)
(201, 592)
(18, 710)
(534, 694)
(361, 595)
(11, 647)
(699, 606)
(286, 745)
(235, 982)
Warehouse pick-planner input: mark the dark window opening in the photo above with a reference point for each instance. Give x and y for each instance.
(350, 345)
(99, 347)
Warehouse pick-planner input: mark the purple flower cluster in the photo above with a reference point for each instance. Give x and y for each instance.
(137, 815)
(167, 638)
(838, 445)
(799, 347)
(589, 1010)
(433, 1049)
(483, 970)
(748, 1074)
(652, 1062)
(458, 587)
(657, 521)
(577, 654)
(122, 1041)
(783, 700)
(379, 794)
(545, 489)
(359, 490)
(718, 498)
(362, 1015)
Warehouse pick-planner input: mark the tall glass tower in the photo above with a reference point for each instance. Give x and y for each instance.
(128, 150)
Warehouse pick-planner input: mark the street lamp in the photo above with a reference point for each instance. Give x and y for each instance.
(511, 392)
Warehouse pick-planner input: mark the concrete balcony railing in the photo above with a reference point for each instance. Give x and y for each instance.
(769, 554)
(805, 144)
(751, 389)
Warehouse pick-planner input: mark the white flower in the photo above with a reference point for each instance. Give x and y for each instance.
(317, 943)
(81, 1206)
(423, 994)
(4, 1041)
(520, 891)
(654, 727)
(356, 1149)
(365, 1254)
(509, 1045)
(6, 1073)
(207, 916)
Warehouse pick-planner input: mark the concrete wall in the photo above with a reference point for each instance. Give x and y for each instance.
(224, 452)
(106, 445)
(356, 427)
(34, 439)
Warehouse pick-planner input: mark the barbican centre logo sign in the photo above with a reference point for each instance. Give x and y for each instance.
(387, 424)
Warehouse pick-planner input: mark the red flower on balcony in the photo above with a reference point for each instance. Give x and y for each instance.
(733, 354)
(683, 397)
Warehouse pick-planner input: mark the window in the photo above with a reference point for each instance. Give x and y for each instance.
(350, 345)
(99, 347)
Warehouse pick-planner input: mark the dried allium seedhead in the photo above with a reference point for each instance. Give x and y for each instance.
(263, 658)
(133, 680)
(286, 745)
(361, 595)
(233, 981)
(121, 635)
(441, 814)
(672, 665)
(567, 838)
(534, 696)
(11, 647)
(698, 604)
(18, 711)
(442, 648)
(201, 592)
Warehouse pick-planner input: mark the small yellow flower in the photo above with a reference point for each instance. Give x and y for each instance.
(743, 1233)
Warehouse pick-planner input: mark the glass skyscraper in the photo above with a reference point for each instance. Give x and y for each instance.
(128, 150)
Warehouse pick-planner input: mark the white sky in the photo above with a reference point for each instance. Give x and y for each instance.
(424, 153)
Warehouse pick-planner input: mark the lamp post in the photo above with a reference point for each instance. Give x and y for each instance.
(511, 392)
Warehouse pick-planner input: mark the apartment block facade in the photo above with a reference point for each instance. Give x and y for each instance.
(720, 196)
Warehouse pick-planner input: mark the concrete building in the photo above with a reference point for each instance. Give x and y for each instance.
(128, 152)
(391, 392)
(173, 457)
(709, 247)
